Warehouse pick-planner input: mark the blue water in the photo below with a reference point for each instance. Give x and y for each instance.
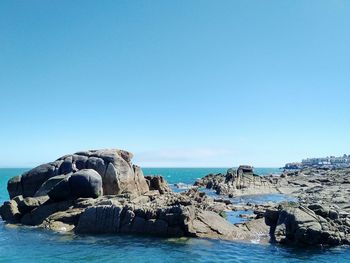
(22, 244)
(234, 216)
(190, 175)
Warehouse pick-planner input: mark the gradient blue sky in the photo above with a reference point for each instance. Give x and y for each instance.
(178, 83)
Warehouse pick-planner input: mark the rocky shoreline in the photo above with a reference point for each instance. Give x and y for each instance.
(101, 191)
(321, 215)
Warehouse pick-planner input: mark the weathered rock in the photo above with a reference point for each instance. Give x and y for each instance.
(14, 186)
(97, 164)
(32, 180)
(85, 183)
(319, 210)
(40, 214)
(9, 212)
(79, 162)
(67, 166)
(158, 183)
(25, 205)
(48, 185)
(110, 181)
(239, 182)
(61, 191)
(114, 166)
(209, 224)
(100, 219)
(69, 217)
(300, 225)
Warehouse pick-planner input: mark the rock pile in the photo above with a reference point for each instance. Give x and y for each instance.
(101, 191)
(301, 225)
(238, 182)
(114, 166)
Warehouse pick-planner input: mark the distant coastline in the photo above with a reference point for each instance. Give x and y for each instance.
(328, 162)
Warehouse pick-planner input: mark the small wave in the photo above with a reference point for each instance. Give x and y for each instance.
(182, 186)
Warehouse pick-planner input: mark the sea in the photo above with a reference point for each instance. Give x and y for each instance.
(28, 244)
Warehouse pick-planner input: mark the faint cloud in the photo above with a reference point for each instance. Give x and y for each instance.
(181, 156)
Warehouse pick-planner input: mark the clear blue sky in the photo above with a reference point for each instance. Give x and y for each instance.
(178, 83)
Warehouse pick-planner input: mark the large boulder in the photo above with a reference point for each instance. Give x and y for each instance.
(301, 226)
(33, 179)
(114, 166)
(46, 187)
(86, 183)
(9, 212)
(14, 186)
(61, 191)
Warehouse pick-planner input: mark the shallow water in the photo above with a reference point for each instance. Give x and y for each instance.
(22, 244)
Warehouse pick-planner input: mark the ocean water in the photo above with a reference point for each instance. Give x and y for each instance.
(25, 244)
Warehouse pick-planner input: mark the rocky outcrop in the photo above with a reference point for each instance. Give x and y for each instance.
(238, 182)
(320, 217)
(167, 215)
(157, 183)
(299, 225)
(102, 192)
(9, 212)
(114, 167)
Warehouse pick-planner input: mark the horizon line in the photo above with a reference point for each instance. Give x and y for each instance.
(168, 167)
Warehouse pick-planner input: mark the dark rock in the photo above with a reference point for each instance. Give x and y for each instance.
(100, 219)
(333, 214)
(138, 225)
(14, 186)
(319, 210)
(271, 217)
(85, 183)
(300, 225)
(50, 184)
(97, 164)
(68, 217)
(79, 161)
(61, 191)
(38, 215)
(67, 166)
(32, 180)
(26, 205)
(157, 182)
(9, 212)
(156, 227)
(245, 169)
